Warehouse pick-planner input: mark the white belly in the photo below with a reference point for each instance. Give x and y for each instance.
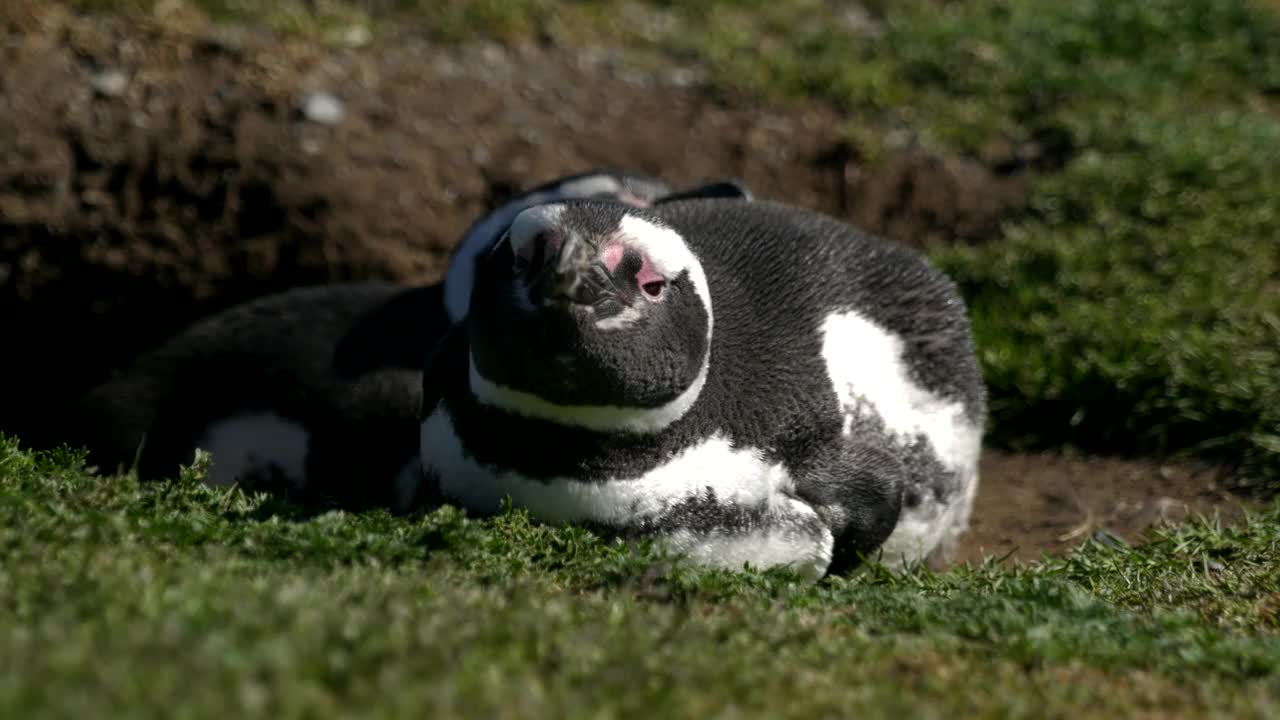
(244, 445)
(736, 476)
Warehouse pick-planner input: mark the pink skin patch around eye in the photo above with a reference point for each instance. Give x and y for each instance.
(612, 255)
(648, 274)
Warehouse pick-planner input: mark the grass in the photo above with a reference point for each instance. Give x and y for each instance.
(174, 600)
(1134, 306)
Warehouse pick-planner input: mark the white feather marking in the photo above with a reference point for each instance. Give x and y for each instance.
(622, 320)
(669, 254)
(737, 476)
(601, 418)
(242, 445)
(868, 374)
(763, 547)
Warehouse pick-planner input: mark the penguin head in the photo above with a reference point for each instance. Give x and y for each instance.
(628, 187)
(591, 314)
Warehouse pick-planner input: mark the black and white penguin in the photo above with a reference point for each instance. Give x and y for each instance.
(313, 392)
(747, 382)
(629, 187)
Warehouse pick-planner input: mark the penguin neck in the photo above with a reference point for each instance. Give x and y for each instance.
(597, 418)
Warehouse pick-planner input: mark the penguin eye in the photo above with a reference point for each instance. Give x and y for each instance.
(653, 289)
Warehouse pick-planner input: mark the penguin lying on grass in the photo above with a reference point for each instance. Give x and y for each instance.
(313, 392)
(746, 381)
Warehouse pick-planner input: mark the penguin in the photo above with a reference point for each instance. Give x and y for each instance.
(312, 393)
(626, 186)
(744, 382)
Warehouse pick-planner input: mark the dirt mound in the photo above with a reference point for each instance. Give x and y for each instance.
(144, 183)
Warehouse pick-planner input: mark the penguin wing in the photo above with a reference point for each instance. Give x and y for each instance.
(722, 189)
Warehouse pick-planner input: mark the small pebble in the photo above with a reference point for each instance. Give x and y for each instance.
(110, 83)
(634, 79)
(898, 138)
(323, 108)
(682, 77)
(493, 54)
(446, 68)
(356, 36)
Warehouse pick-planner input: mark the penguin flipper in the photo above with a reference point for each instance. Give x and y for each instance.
(857, 487)
(723, 189)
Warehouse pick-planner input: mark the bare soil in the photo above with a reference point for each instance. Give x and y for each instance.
(150, 175)
(1035, 503)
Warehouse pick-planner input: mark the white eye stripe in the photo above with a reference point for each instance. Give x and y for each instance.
(625, 319)
(669, 254)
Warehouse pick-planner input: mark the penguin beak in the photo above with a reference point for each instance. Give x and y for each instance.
(574, 276)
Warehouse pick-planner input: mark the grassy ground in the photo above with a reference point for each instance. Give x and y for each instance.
(118, 599)
(1135, 306)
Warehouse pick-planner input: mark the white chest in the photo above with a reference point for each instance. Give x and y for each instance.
(736, 477)
(869, 374)
(248, 443)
